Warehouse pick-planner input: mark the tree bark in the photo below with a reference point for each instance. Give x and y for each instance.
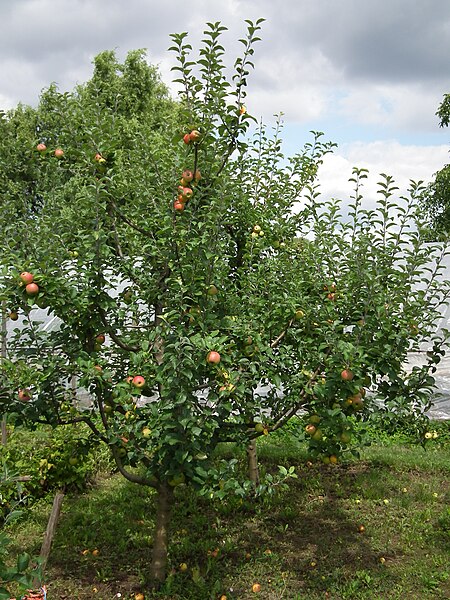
(50, 532)
(253, 469)
(158, 567)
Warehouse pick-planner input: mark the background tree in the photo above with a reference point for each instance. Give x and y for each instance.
(435, 199)
(205, 293)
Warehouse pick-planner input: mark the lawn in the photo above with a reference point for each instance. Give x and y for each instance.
(373, 528)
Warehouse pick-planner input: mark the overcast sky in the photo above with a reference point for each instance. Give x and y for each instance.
(370, 74)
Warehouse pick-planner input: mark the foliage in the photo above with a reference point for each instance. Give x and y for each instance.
(435, 199)
(24, 572)
(214, 307)
(51, 459)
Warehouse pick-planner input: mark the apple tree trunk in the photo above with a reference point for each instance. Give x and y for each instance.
(158, 567)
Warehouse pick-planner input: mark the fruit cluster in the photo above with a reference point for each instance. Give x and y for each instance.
(59, 152)
(185, 189)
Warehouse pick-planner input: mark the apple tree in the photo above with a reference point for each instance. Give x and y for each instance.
(203, 290)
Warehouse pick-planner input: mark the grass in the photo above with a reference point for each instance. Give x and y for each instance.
(304, 543)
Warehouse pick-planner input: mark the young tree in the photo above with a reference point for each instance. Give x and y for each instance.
(204, 291)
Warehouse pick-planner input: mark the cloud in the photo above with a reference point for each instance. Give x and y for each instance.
(403, 163)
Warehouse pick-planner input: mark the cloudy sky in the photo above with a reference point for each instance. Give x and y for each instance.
(370, 74)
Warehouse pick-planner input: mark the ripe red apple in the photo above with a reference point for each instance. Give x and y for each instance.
(194, 136)
(187, 193)
(41, 147)
(32, 289)
(213, 357)
(24, 395)
(59, 152)
(138, 381)
(178, 206)
(100, 338)
(256, 588)
(188, 175)
(187, 138)
(347, 375)
(26, 277)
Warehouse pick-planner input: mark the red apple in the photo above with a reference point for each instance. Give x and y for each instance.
(347, 375)
(41, 147)
(187, 138)
(24, 395)
(178, 206)
(213, 357)
(187, 192)
(26, 277)
(188, 175)
(197, 175)
(32, 289)
(59, 152)
(138, 381)
(256, 588)
(100, 338)
(194, 136)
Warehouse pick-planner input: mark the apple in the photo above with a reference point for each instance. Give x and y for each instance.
(357, 402)
(13, 315)
(331, 296)
(213, 357)
(347, 375)
(299, 314)
(259, 427)
(95, 552)
(183, 567)
(315, 419)
(318, 435)
(178, 206)
(146, 432)
(24, 395)
(187, 138)
(100, 338)
(242, 110)
(187, 193)
(188, 175)
(345, 437)
(212, 290)
(99, 158)
(310, 429)
(333, 459)
(256, 588)
(139, 596)
(254, 234)
(127, 296)
(195, 135)
(73, 460)
(197, 175)
(257, 228)
(59, 152)
(138, 381)
(41, 147)
(108, 409)
(98, 368)
(32, 289)
(26, 277)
